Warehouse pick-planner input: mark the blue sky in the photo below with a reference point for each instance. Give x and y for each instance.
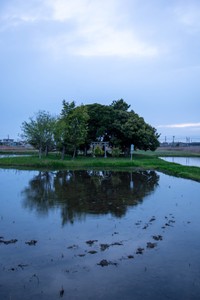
(144, 51)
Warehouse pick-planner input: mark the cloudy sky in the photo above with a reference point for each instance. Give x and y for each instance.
(144, 51)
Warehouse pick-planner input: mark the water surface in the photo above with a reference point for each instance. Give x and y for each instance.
(13, 155)
(186, 161)
(98, 234)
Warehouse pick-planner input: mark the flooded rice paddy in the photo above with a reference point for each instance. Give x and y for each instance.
(99, 235)
(186, 161)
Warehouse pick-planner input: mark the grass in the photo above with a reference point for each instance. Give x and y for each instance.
(172, 152)
(141, 160)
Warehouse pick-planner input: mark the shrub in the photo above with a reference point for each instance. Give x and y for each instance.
(98, 151)
(116, 152)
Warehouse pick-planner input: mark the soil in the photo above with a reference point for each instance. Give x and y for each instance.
(189, 149)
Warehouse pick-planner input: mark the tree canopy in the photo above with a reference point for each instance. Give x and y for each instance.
(120, 127)
(77, 127)
(71, 127)
(39, 131)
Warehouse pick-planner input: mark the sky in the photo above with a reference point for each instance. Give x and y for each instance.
(146, 52)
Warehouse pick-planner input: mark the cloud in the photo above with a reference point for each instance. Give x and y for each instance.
(100, 27)
(188, 14)
(19, 13)
(112, 42)
(87, 28)
(78, 10)
(182, 125)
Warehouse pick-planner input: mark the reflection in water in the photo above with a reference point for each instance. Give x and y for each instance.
(78, 193)
(150, 253)
(186, 161)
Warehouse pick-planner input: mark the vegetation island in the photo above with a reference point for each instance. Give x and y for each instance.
(91, 133)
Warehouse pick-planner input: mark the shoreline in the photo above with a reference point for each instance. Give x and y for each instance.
(141, 160)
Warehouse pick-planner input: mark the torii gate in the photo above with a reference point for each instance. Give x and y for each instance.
(104, 144)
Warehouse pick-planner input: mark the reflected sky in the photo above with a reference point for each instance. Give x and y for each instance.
(186, 161)
(99, 235)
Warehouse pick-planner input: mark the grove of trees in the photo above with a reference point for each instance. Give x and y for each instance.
(77, 127)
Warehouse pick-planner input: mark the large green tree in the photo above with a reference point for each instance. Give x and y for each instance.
(61, 132)
(71, 128)
(100, 122)
(136, 131)
(78, 126)
(38, 131)
(78, 121)
(114, 123)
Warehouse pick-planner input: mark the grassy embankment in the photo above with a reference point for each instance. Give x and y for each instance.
(141, 160)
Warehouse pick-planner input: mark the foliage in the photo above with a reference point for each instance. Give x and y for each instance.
(71, 128)
(98, 151)
(100, 117)
(139, 133)
(61, 132)
(120, 127)
(116, 152)
(38, 132)
(120, 105)
(77, 127)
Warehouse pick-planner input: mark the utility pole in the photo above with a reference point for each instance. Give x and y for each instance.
(173, 139)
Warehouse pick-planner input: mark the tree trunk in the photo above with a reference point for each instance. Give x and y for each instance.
(63, 153)
(85, 151)
(46, 150)
(40, 152)
(74, 154)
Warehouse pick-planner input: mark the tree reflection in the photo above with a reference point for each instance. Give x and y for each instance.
(40, 193)
(78, 193)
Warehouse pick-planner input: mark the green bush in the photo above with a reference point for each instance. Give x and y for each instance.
(116, 152)
(98, 151)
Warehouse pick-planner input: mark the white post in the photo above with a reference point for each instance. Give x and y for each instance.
(132, 149)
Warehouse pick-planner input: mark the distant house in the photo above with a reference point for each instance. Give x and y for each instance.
(8, 142)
